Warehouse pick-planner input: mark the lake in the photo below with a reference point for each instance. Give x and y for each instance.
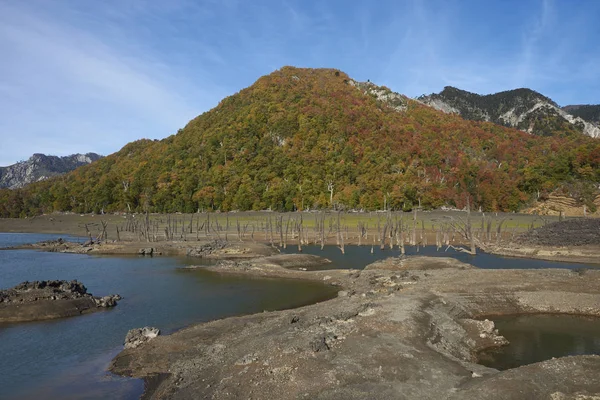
(67, 358)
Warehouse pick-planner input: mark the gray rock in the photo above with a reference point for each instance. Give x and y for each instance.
(148, 251)
(207, 248)
(319, 344)
(139, 336)
(107, 301)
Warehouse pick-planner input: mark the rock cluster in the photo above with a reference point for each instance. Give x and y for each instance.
(148, 251)
(36, 291)
(138, 336)
(107, 301)
(40, 290)
(207, 248)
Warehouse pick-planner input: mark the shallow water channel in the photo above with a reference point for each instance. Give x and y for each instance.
(540, 337)
(357, 257)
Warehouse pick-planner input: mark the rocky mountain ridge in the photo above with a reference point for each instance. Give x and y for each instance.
(587, 112)
(523, 109)
(40, 167)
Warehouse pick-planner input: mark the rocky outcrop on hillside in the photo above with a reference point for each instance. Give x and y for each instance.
(523, 109)
(383, 94)
(40, 166)
(587, 112)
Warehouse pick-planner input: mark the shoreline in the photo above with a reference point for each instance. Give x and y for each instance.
(418, 316)
(581, 255)
(245, 244)
(248, 250)
(429, 305)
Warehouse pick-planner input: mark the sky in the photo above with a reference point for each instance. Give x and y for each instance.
(90, 76)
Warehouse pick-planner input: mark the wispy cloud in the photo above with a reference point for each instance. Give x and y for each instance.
(71, 91)
(531, 38)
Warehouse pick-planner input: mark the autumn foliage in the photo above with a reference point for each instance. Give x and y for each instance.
(282, 142)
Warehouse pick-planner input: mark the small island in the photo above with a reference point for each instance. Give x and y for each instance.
(42, 300)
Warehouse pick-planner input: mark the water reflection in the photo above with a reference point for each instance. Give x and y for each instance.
(535, 338)
(357, 257)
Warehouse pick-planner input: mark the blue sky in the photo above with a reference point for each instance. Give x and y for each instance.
(88, 75)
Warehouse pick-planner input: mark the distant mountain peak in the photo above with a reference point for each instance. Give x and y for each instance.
(522, 108)
(41, 166)
(587, 112)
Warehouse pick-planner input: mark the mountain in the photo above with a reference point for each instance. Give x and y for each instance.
(587, 112)
(39, 167)
(523, 109)
(303, 138)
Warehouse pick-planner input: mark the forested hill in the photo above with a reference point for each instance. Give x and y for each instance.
(299, 138)
(524, 109)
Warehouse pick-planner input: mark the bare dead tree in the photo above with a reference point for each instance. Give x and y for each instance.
(104, 235)
(300, 234)
(330, 187)
(287, 225)
(464, 227)
(322, 230)
(340, 237)
(280, 230)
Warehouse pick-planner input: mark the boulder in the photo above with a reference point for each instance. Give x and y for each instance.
(148, 251)
(138, 336)
(107, 301)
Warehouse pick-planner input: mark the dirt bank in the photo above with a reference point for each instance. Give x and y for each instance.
(397, 330)
(571, 232)
(40, 300)
(573, 240)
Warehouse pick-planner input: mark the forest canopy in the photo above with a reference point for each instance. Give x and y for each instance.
(302, 139)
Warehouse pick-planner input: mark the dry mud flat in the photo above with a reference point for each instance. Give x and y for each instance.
(401, 329)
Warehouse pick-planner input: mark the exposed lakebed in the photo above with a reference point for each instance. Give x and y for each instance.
(67, 358)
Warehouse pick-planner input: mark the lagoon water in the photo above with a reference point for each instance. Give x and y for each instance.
(67, 358)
